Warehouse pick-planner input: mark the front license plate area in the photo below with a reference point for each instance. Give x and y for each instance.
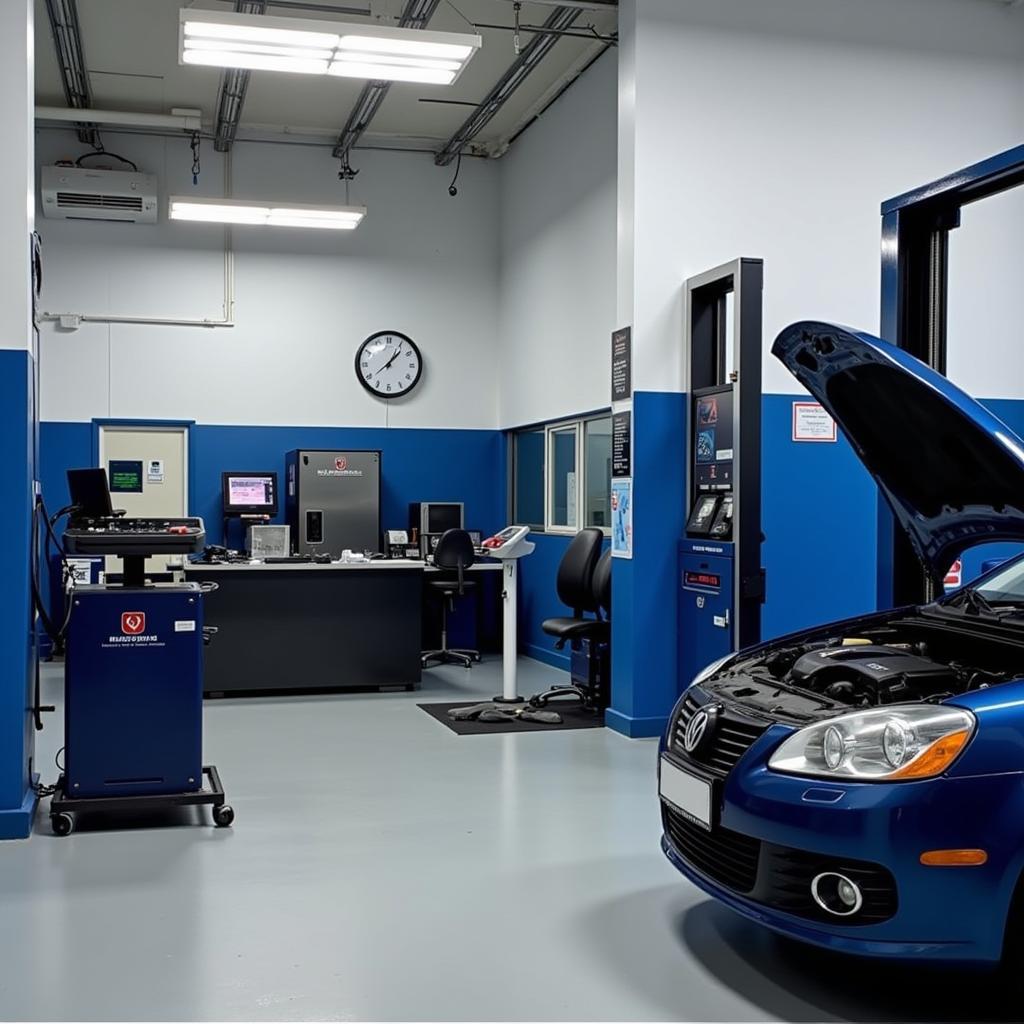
(689, 794)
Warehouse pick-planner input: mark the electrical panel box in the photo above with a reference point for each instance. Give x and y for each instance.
(332, 501)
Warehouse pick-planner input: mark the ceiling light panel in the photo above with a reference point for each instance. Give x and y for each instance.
(240, 211)
(304, 46)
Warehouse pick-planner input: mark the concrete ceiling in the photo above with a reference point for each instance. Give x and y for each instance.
(131, 55)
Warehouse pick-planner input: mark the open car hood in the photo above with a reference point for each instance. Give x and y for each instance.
(952, 472)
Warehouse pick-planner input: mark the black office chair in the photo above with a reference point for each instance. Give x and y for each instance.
(454, 552)
(585, 584)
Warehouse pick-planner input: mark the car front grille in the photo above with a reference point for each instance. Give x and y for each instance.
(778, 876)
(726, 857)
(732, 737)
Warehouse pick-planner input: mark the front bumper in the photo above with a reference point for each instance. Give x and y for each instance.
(951, 914)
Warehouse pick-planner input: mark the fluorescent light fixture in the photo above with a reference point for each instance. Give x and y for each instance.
(307, 47)
(240, 211)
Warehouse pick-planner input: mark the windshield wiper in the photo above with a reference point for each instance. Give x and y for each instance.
(972, 602)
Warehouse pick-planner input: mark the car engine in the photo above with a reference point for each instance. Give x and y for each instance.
(895, 662)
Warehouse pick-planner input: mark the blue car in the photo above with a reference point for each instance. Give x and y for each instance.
(860, 786)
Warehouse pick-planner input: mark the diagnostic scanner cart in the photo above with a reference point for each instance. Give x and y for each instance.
(133, 715)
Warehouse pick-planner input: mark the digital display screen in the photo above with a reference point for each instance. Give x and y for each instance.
(249, 493)
(125, 476)
(251, 490)
(702, 579)
(712, 440)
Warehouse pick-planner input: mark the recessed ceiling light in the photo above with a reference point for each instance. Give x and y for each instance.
(291, 215)
(303, 46)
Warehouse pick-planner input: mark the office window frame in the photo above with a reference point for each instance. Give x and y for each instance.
(551, 431)
(513, 476)
(579, 425)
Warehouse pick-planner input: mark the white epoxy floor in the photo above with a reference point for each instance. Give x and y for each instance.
(383, 868)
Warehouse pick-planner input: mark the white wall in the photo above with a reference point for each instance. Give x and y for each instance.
(16, 174)
(557, 235)
(421, 262)
(775, 129)
(984, 354)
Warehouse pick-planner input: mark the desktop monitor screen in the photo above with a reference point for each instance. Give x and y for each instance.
(442, 516)
(90, 493)
(250, 493)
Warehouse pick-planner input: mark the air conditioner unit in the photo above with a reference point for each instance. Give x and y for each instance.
(86, 193)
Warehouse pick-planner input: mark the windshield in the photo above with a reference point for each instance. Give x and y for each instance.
(1006, 586)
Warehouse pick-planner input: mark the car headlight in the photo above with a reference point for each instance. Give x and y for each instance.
(881, 745)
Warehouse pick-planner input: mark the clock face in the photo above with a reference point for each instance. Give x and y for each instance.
(389, 364)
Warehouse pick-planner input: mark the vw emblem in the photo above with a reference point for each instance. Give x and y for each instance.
(698, 728)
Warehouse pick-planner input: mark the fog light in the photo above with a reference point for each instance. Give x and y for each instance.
(836, 894)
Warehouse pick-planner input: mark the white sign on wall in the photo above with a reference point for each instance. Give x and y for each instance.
(812, 423)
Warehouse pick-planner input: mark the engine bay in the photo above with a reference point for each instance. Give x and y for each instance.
(902, 660)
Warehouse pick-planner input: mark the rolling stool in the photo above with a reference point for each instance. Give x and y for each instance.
(454, 552)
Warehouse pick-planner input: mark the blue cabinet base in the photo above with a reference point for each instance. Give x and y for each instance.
(635, 728)
(16, 823)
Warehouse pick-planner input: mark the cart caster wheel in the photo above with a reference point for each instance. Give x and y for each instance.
(223, 815)
(62, 824)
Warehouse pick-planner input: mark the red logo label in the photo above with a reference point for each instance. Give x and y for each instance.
(133, 623)
(341, 465)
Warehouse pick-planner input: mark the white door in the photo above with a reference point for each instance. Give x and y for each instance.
(147, 468)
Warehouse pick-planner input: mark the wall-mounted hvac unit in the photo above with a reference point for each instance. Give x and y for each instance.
(85, 193)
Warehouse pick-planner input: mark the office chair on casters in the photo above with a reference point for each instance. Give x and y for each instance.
(454, 552)
(585, 584)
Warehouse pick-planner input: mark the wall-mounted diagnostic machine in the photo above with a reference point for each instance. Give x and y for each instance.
(133, 714)
(508, 546)
(721, 579)
(332, 501)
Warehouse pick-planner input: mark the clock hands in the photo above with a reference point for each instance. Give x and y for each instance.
(391, 360)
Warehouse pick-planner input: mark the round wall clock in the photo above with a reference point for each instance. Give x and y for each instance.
(388, 364)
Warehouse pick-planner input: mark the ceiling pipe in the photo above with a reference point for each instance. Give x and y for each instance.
(74, 77)
(301, 5)
(234, 83)
(578, 5)
(415, 15)
(560, 19)
(190, 122)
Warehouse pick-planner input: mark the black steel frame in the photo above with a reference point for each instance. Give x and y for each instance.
(914, 284)
(705, 370)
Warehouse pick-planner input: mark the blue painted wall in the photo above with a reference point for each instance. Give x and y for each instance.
(418, 465)
(17, 653)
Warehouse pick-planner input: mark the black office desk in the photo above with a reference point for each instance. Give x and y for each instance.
(312, 627)
(303, 626)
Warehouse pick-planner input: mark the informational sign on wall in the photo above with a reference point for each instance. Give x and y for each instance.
(125, 476)
(155, 471)
(622, 518)
(622, 364)
(622, 449)
(812, 423)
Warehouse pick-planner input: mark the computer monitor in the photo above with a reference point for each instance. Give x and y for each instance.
(442, 516)
(90, 493)
(249, 494)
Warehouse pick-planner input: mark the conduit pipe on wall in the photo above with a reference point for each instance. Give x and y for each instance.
(228, 307)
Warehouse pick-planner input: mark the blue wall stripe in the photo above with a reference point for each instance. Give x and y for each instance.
(17, 653)
(644, 598)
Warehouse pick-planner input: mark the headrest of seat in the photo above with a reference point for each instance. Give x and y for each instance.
(575, 582)
(455, 548)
